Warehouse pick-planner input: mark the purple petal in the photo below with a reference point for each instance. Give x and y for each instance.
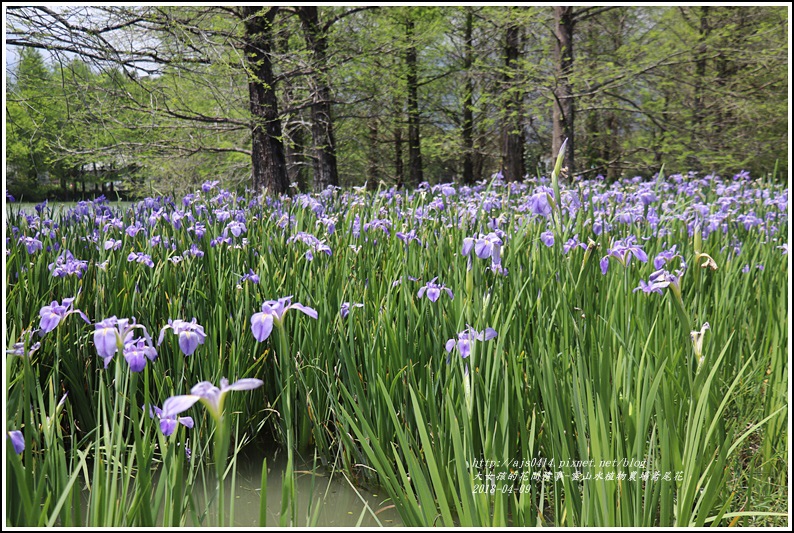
(468, 244)
(17, 441)
(178, 404)
(162, 333)
(49, 320)
(604, 264)
(245, 384)
(82, 315)
(639, 254)
(105, 342)
(167, 426)
(483, 248)
(136, 360)
(261, 325)
(305, 310)
(186, 421)
(433, 293)
(464, 345)
(450, 345)
(188, 342)
(490, 333)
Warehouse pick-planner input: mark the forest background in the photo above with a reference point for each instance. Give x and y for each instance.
(130, 101)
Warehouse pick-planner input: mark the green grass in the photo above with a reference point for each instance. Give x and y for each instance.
(584, 371)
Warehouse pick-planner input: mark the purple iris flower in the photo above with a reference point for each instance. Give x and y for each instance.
(345, 309)
(408, 237)
(251, 276)
(112, 333)
(51, 315)
(220, 240)
(547, 238)
(136, 352)
(168, 424)
(466, 337)
(433, 290)
(19, 349)
(660, 279)
(199, 229)
(236, 228)
(572, 243)
(539, 203)
(67, 265)
(190, 334)
(32, 244)
(112, 244)
(485, 245)
(383, 224)
(648, 197)
(176, 219)
(133, 230)
(141, 257)
(651, 286)
(194, 251)
(468, 244)
(211, 396)
(207, 186)
(329, 223)
(313, 242)
(623, 250)
(663, 257)
(17, 441)
(273, 312)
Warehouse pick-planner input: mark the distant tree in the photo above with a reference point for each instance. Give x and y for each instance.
(513, 126)
(30, 121)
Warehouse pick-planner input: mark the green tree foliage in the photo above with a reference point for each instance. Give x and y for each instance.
(360, 93)
(31, 118)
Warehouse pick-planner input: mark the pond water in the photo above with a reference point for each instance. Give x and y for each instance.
(341, 504)
(324, 500)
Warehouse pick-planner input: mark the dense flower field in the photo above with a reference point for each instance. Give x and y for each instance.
(504, 354)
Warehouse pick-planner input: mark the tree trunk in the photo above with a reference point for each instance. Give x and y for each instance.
(513, 146)
(399, 170)
(468, 102)
(700, 64)
(563, 114)
(372, 166)
(612, 146)
(293, 153)
(478, 159)
(414, 149)
(267, 150)
(325, 170)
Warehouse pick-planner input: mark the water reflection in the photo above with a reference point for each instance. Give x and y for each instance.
(326, 499)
